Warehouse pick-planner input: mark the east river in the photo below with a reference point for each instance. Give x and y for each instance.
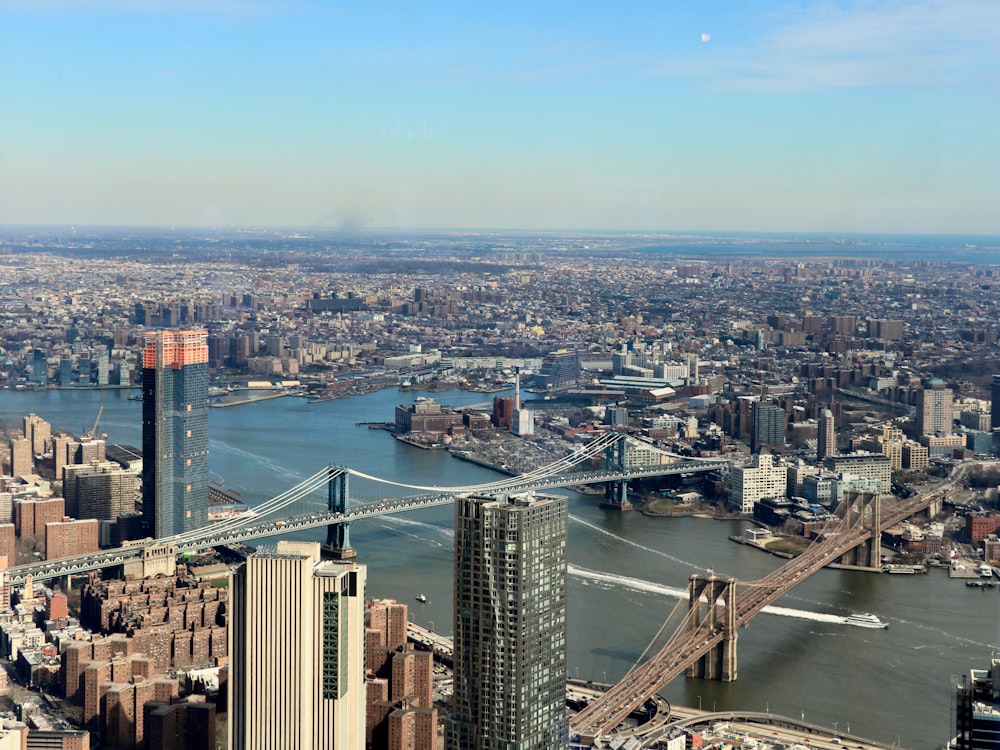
(626, 571)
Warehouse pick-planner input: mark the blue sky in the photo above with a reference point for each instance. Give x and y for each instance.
(866, 116)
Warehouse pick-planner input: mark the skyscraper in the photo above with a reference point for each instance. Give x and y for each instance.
(297, 648)
(995, 401)
(510, 623)
(174, 432)
(826, 443)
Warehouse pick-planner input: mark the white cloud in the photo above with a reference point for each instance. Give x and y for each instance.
(846, 45)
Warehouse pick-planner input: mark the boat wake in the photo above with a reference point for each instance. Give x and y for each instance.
(625, 540)
(649, 587)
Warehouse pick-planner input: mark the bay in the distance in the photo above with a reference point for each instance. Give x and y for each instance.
(625, 570)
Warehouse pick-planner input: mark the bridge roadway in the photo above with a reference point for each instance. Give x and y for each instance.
(687, 644)
(268, 525)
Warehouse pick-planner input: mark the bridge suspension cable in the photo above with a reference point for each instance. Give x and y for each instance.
(276, 503)
(549, 470)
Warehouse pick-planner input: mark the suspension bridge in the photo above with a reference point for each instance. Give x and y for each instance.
(352, 495)
(704, 642)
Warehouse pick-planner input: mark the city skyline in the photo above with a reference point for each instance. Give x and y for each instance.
(853, 117)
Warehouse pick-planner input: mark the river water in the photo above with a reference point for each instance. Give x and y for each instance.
(626, 571)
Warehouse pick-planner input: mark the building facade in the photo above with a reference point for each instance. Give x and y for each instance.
(826, 436)
(934, 408)
(510, 623)
(559, 369)
(761, 479)
(175, 432)
(100, 489)
(995, 403)
(767, 426)
(296, 677)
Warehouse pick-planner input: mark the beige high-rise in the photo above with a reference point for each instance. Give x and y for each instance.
(296, 630)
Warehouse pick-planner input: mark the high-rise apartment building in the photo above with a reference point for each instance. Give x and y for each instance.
(977, 709)
(296, 630)
(934, 408)
(560, 368)
(38, 431)
(510, 623)
(826, 436)
(21, 460)
(767, 426)
(100, 489)
(174, 432)
(995, 403)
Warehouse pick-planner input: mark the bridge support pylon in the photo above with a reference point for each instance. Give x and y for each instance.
(720, 614)
(338, 535)
(864, 508)
(616, 493)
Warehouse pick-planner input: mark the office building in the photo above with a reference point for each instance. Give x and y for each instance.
(510, 623)
(934, 410)
(175, 432)
(296, 628)
(767, 426)
(826, 436)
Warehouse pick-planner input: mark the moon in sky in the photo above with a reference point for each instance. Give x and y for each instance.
(705, 37)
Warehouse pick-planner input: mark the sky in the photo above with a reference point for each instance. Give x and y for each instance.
(676, 115)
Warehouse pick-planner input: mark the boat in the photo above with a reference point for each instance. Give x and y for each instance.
(865, 620)
(421, 598)
(985, 570)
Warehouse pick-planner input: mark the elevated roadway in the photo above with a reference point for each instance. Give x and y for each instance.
(256, 527)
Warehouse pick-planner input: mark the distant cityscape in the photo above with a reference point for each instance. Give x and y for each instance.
(817, 371)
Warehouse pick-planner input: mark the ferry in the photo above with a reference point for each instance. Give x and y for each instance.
(985, 570)
(421, 598)
(865, 620)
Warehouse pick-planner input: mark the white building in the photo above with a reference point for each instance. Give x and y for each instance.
(296, 645)
(761, 479)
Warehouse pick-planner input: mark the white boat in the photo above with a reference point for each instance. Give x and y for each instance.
(421, 598)
(865, 620)
(985, 570)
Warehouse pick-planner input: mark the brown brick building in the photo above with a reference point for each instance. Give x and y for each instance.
(68, 537)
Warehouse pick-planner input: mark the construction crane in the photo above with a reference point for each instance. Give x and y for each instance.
(93, 430)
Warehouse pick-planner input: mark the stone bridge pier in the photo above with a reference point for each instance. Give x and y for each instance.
(712, 601)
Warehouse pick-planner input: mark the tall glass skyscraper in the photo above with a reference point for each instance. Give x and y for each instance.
(174, 432)
(510, 623)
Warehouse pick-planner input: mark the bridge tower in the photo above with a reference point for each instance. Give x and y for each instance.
(720, 662)
(616, 493)
(338, 536)
(864, 508)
